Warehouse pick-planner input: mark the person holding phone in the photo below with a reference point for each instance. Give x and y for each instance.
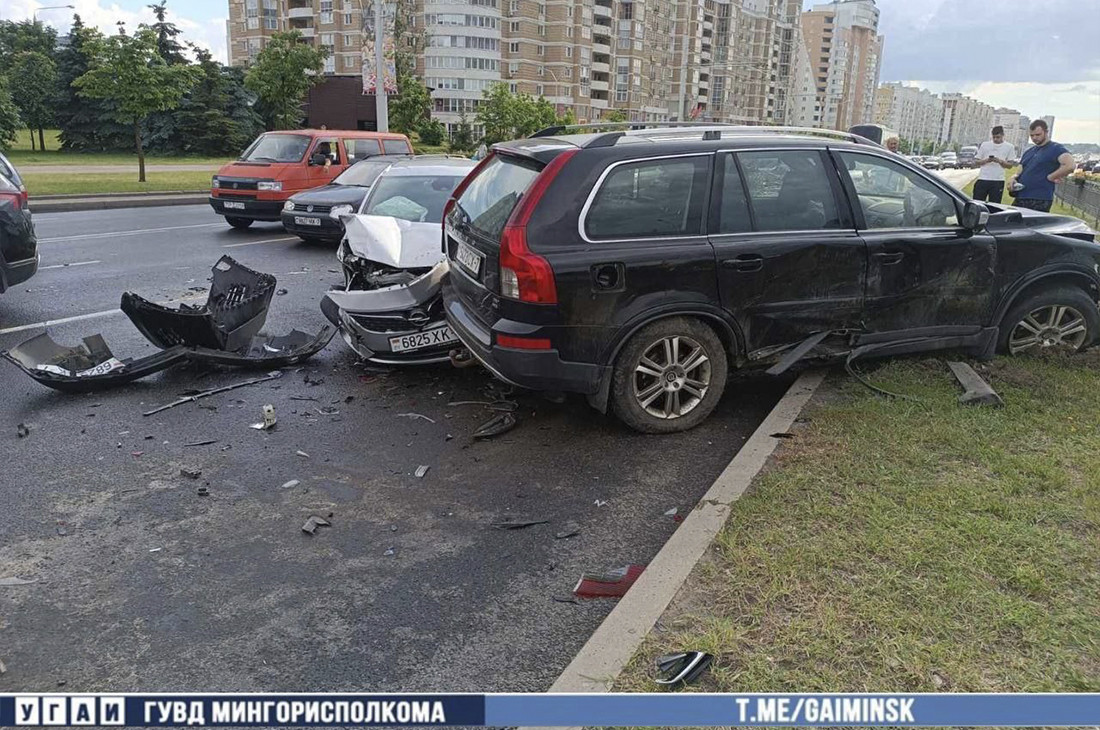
(995, 157)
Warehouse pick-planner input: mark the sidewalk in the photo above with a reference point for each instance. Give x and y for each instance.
(913, 547)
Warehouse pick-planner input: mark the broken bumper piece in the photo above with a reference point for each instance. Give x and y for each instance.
(268, 351)
(233, 314)
(86, 367)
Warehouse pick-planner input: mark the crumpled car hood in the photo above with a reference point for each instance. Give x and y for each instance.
(394, 242)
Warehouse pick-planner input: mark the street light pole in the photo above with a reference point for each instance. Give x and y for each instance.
(382, 109)
(34, 13)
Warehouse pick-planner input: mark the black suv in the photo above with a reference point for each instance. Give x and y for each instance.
(639, 267)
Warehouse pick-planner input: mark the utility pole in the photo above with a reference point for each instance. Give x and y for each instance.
(382, 108)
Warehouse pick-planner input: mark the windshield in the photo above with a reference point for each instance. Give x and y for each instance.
(420, 199)
(362, 173)
(277, 148)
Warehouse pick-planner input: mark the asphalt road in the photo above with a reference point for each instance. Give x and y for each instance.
(142, 584)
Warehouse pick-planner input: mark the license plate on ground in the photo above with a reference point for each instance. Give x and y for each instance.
(420, 340)
(233, 205)
(468, 258)
(304, 221)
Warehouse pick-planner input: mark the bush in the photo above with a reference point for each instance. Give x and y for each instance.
(432, 133)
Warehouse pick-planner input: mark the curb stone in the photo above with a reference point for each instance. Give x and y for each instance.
(616, 640)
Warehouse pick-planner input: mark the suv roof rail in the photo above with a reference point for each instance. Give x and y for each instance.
(708, 130)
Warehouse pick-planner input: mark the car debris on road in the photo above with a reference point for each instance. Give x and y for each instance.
(682, 667)
(311, 525)
(611, 584)
(223, 331)
(269, 419)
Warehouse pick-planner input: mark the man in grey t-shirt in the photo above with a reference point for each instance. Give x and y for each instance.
(995, 157)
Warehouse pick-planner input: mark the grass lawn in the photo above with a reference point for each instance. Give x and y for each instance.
(898, 546)
(20, 154)
(49, 184)
(1058, 208)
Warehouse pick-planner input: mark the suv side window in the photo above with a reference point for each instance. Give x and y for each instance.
(651, 198)
(789, 190)
(395, 147)
(731, 207)
(892, 196)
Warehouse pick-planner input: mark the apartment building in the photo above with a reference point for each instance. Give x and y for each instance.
(1015, 125)
(654, 60)
(842, 40)
(915, 114)
(966, 121)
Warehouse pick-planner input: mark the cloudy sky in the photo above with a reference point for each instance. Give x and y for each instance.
(1038, 56)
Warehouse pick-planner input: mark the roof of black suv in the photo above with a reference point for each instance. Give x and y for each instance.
(548, 143)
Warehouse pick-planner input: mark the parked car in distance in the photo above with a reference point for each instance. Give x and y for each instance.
(932, 162)
(949, 161)
(276, 165)
(968, 157)
(314, 215)
(18, 244)
(390, 310)
(640, 267)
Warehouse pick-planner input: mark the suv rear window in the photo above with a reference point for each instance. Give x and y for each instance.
(490, 197)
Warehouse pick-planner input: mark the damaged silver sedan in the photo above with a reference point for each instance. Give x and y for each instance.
(390, 310)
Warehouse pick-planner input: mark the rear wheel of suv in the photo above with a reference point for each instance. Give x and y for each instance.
(1061, 318)
(238, 223)
(669, 376)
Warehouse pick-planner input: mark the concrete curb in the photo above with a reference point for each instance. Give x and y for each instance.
(69, 203)
(616, 640)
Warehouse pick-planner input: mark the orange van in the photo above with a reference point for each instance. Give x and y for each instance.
(278, 164)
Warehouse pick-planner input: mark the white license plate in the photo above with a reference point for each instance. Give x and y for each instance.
(468, 258)
(420, 340)
(233, 205)
(303, 221)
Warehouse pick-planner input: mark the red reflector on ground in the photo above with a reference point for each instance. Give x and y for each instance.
(523, 343)
(613, 584)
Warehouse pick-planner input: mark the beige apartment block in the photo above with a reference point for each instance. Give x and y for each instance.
(845, 51)
(915, 114)
(966, 121)
(652, 60)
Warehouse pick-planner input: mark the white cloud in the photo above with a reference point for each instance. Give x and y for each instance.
(206, 33)
(1075, 106)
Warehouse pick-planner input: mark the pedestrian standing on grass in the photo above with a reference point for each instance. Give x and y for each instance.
(995, 157)
(1044, 165)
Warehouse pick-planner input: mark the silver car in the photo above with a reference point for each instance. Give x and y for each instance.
(390, 310)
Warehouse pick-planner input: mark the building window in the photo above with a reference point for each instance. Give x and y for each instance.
(330, 65)
(513, 6)
(539, 89)
(349, 62)
(347, 19)
(326, 18)
(252, 23)
(271, 23)
(542, 29)
(568, 31)
(515, 26)
(512, 87)
(540, 71)
(513, 47)
(349, 40)
(513, 68)
(568, 52)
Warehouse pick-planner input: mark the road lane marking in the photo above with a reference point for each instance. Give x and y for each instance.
(90, 315)
(266, 240)
(126, 233)
(63, 266)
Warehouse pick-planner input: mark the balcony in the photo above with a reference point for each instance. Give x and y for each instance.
(306, 12)
(601, 12)
(603, 48)
(307, 32)
(598, 103)
(601, 68)
(599, 85)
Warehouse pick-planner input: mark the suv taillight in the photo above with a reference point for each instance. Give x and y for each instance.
(18, 199)
(525, 276)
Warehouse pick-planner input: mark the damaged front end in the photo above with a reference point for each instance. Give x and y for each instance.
(391, 308)
(223, 331)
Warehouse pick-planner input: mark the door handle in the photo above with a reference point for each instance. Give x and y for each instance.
(745, 262)
(889, 258)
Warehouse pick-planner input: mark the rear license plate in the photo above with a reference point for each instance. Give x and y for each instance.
(421, 340)
(468, 258)
(303, 221)
(233, 205)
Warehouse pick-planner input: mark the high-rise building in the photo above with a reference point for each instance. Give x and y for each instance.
(1015, 125)
(966, 121)
(915, 114)
(653, 60)
(1049, 119)
(843, 43)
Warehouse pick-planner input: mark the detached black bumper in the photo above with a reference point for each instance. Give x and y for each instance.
(328, 229)
(256, 210)
(532, 369)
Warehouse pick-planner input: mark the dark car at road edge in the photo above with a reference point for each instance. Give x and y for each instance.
(18, 245)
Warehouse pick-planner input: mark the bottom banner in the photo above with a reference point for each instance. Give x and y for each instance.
(671, 709)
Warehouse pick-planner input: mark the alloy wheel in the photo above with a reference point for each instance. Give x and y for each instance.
(672, 377)
(1054, 325)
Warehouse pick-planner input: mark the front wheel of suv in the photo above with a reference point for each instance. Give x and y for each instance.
(1063, 318)
(669, 376)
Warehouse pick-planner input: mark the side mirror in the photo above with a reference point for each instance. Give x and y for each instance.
(317, 158)
(974, 216)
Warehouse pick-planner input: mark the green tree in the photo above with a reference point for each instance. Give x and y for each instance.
(283, 72)
(9, 116)
(462, 137)
(614, 115)
(432, 132)
(85, 124)
(34, 94)
(498, 114)
(128, 71)
(412, 107)
(26, 35)
(167, 45)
